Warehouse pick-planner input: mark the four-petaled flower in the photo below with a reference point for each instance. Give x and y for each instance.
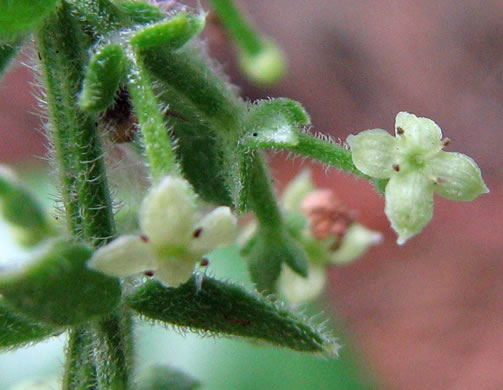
(172, 240)
(417, 167)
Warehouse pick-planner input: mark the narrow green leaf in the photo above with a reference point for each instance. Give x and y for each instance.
(58, 288)
(166, 378)
(265, 253)
(141, 12)
(206, 148)
(16, 330)
(21, 16)
(152, 122)
(274, 123)
(172, 33)
(103, 76)
(22, 210)
(186, 72)
(198, 153)
(225, 309)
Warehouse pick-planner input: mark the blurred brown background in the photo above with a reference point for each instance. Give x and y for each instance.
(428, 315)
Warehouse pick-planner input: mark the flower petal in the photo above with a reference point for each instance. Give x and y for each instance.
(215, 229)
(174, 271)
(420, 133)
(373, 152)
(354, 244)
(167, 213)
(409, 203)
(457, 176)
(296, 289)
(126, 255)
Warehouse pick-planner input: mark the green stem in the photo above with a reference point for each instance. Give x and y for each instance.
(261, 195)
(78, 152)
(245, 36)
(326, 152)
(80, 371)
(158, 148)
(113, 351)
(331, 154)
(260, 59)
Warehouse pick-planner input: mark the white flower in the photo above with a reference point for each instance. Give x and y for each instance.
(172, 240)
(417, 167)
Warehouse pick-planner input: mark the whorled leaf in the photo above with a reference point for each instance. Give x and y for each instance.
(57, 288)
(198, 154)
(220, 308)
(17, 330)
(172, 33)
(103, 76)
(265, 253)
(141, 12)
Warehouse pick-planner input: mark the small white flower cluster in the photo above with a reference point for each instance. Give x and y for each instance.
(172, 239)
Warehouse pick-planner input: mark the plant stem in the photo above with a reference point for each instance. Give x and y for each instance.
(326, 152)
(80, 371)
(112, 351)
(331, 154)
(245, 36)
(78, 152)
(261, 195)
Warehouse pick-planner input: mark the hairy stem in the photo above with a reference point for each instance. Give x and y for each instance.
(113, 351)
(331, 154)
(78, 153)
(80, 371)
(262, 198)
(326, 152)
